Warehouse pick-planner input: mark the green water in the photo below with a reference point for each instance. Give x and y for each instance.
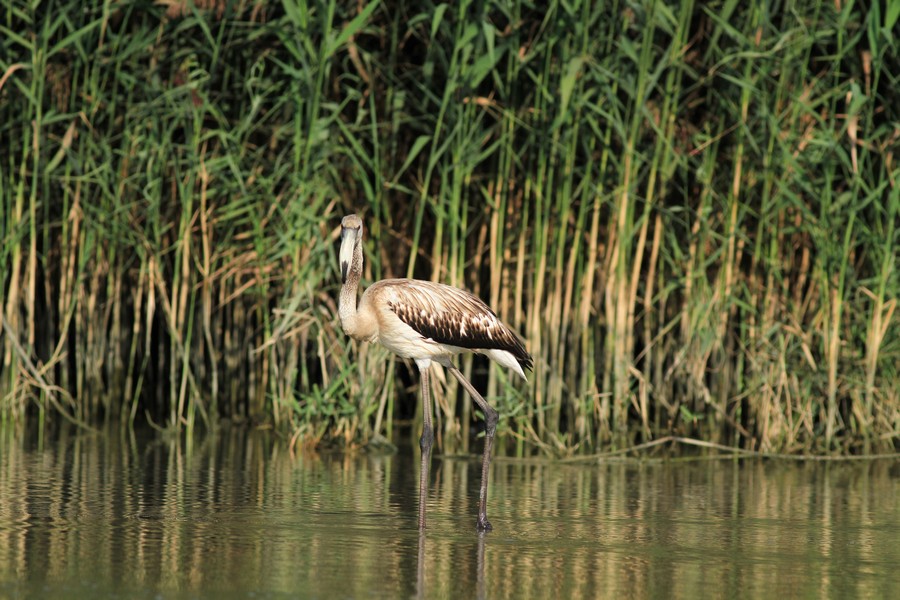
(238, 516)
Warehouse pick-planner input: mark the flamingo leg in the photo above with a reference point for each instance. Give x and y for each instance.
(490, 419)
(425, 443)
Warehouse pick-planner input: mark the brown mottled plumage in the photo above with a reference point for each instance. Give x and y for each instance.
(427, 322)
(451, 316)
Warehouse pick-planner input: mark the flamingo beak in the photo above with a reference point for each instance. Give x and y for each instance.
(348, 244)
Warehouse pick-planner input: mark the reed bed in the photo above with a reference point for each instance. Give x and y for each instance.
(689, 211)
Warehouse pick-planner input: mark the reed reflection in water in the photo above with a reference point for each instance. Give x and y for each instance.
(146, 515)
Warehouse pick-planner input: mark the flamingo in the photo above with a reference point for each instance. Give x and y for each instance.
(427, 322)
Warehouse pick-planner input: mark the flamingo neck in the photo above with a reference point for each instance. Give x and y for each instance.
(347, 300)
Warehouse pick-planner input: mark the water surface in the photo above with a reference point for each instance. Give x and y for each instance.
(237, 515)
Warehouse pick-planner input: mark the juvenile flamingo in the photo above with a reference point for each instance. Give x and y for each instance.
(427, 322)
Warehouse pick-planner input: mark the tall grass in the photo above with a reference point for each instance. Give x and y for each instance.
(688, 210)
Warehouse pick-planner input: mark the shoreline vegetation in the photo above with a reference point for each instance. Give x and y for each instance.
(689, 211)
